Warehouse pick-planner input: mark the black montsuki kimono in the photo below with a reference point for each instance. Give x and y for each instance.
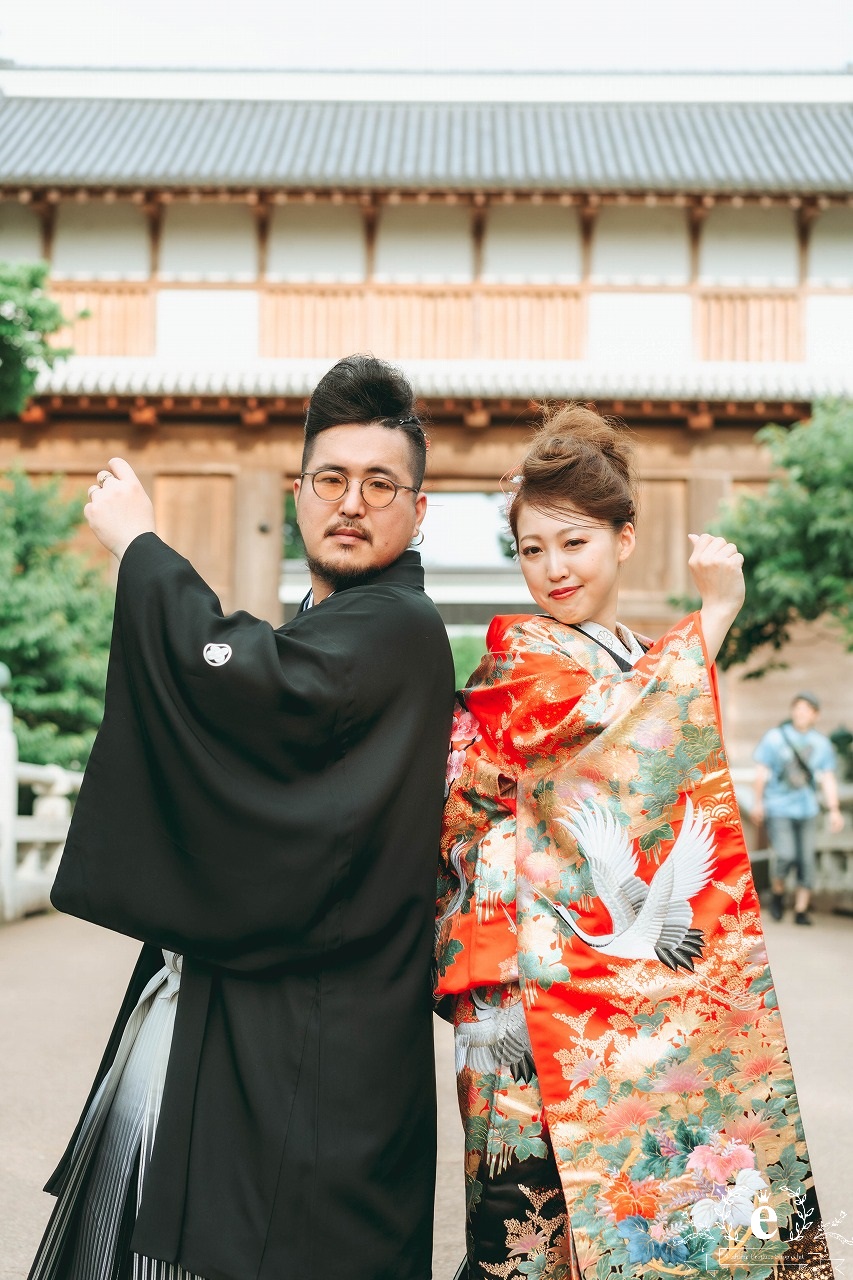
(274, 817)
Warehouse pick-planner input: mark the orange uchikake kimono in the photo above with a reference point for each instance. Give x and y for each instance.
(593, 853)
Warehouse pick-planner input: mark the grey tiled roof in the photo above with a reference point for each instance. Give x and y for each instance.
(518, 379)
(657, 147)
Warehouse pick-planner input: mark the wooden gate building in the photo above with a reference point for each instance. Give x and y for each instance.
(680, 255)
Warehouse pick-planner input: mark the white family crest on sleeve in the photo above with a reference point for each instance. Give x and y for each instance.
(216, 655)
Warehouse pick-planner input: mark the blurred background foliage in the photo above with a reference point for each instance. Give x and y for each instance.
(27, 317)
(468, 647)
(55, 624)
(294, 547)
(796, 538)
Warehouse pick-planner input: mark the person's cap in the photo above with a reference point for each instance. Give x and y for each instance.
(810, 698)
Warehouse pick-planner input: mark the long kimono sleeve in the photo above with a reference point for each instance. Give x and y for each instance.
(532, 696)
(219, 811)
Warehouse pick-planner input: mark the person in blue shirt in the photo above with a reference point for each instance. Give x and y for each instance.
(794, 763)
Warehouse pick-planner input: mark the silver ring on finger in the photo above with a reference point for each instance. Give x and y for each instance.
(102, 477)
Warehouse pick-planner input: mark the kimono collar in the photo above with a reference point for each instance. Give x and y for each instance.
(405, 571)
(621, 641)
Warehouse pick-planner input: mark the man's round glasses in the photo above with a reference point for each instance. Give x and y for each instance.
(377, 491)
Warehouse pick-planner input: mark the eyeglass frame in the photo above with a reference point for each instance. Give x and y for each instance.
(373, 506)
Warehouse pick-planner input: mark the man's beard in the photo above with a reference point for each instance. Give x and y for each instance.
(337, 577)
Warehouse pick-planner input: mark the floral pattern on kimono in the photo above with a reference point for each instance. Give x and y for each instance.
(593, 852)
(515, 1209)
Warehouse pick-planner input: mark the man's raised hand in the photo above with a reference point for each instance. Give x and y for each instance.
(118, 509)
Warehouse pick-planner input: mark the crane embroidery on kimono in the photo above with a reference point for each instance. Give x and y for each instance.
(649, 920)
(499, 1037)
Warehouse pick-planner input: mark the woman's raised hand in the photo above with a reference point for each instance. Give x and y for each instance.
(717, 569)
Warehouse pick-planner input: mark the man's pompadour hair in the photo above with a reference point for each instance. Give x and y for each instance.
(363, 389)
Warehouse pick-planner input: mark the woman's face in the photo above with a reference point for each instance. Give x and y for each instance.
(571, 563)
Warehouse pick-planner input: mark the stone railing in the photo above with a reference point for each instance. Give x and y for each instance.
(30, 844)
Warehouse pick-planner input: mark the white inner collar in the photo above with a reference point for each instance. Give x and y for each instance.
(621, 641)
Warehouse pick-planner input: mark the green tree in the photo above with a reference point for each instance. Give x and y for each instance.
(27, 317)
(796, 536)
(294, 547)
(55, 621)
(467, 649)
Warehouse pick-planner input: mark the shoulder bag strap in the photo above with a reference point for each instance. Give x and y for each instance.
(812, 781)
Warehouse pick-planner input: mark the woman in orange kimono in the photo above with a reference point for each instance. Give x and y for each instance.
(623, 1076)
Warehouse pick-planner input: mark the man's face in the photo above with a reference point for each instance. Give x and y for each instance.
(803, 715)
(346, 538)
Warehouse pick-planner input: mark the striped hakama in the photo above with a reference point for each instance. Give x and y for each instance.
(88, 1237)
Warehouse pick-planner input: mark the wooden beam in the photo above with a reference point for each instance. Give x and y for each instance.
(35, 415)
(144, 415)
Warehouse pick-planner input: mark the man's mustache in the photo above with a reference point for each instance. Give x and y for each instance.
(348, 524)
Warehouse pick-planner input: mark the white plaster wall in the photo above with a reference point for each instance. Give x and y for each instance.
(831, 248)
(635, 245)
(20, 234)
(318, 242)
(829, 330)
(207, 325)
(530, 244)
(750, 246)
(208, 242)
(426, 244)
(640, 328)
(100, 242)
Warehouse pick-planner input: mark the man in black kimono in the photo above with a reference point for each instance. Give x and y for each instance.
(266, 804)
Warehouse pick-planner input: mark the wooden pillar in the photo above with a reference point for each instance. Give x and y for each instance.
(153, 210)
(697, 213)
(807, 216)
(370, 216)
(479, 213)
(261, 210)
(588, 215)
(258, 527)
(46, 213)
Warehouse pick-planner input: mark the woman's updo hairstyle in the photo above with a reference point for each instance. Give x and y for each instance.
(577, 460)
